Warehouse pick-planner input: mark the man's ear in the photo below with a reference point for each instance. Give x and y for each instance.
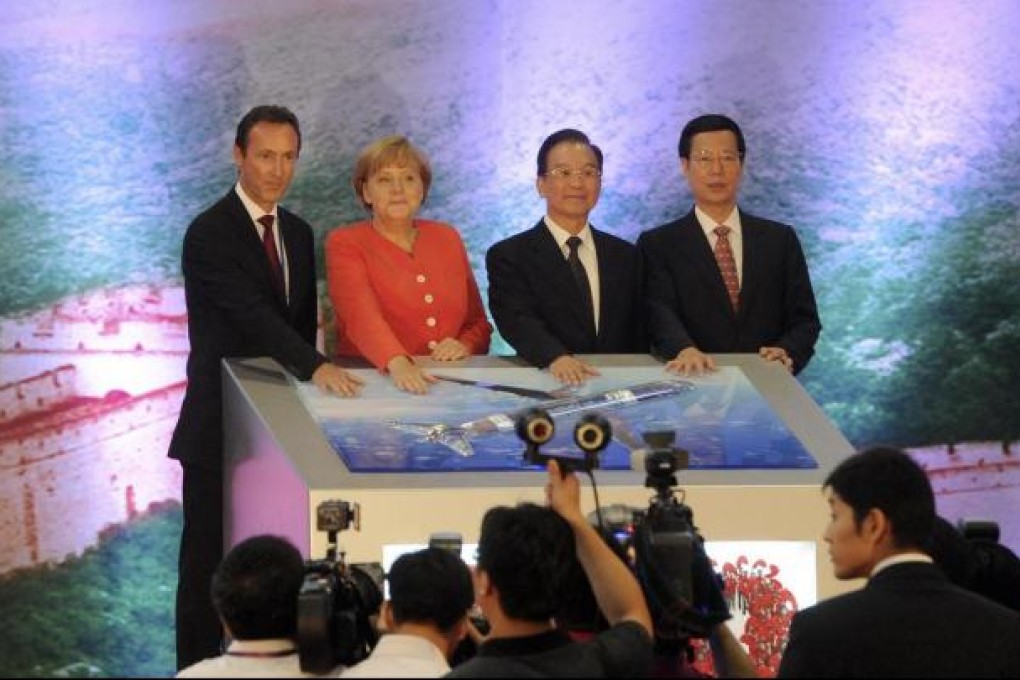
(483, 586)
(540, 186)
(460, 630)
(386, 616)
(876, 528)
(685, 166)
(238, 156)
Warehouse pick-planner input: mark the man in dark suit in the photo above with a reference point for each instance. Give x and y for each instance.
(908, 620)
(722, 280)
(249, 281)
(564, 288)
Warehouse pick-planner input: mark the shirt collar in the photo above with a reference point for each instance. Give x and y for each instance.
(270, 647)
(561, 235)
(254, 211)
(901, 558)
(708, 224)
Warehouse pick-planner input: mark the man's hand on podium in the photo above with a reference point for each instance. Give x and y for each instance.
(332, 378)
(691, 361)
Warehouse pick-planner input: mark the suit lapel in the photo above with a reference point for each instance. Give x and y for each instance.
(751, 274)
(252, 244)
(694, 241)
(610, 286)
(552, 268)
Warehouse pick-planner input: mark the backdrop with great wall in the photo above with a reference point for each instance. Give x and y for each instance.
(887, 133)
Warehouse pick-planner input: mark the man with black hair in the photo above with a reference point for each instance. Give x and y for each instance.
(524, 556)
(563, 287)
(909, 619)
(255, 592)
(719, 279)
(425, 617)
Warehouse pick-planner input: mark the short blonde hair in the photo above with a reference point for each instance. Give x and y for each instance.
(391, 150)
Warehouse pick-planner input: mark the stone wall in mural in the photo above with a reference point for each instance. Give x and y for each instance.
(85, 427)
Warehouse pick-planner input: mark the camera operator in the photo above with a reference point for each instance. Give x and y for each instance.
(518, 583)
(255, 593)
(978, 563)
(729, 657)
(425, 618)
(665, 549)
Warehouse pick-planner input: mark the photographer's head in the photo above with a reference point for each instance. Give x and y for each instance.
(523, 553)
(255, 588)
(527, 555)
(882, 504)
(430, 589)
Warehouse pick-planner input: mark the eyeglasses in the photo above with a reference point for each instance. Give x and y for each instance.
(569, 173)
(707, 161)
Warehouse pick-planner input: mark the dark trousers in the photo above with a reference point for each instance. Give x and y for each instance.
(199, 633)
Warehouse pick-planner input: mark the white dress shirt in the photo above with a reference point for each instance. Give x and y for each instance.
(585, 253)
(401, 656)
(255, 212)
(736, 236)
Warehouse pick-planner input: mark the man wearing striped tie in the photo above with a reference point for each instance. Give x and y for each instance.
(720, 280)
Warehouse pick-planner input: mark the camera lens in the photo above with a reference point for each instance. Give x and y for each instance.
(535, 426)
(592, 433)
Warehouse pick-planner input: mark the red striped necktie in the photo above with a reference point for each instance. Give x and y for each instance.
(727, 265)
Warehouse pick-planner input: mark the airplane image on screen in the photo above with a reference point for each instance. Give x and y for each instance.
(458, 437)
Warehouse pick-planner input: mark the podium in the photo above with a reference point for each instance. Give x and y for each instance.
(281, 465)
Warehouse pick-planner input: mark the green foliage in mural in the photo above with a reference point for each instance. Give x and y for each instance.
(108, 613)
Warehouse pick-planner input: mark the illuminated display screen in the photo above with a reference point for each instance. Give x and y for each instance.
(468, 420)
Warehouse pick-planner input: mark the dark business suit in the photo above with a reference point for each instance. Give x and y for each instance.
(234, 310)
(687, 300)
(538, 308)
(908, 621)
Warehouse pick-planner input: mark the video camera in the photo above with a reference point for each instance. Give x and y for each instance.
(666, 552)
(970, 554)
(337, 601)
(684, 593)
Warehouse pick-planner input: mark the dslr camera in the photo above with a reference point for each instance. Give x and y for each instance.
(337, 601)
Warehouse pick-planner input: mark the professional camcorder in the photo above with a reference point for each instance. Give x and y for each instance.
(684, 593)
(337, 601)
(971, 555)
(664, 548)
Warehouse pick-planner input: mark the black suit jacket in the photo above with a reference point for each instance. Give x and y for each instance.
(687, 300)
(538, 309)
(908, 621)
(234, 310)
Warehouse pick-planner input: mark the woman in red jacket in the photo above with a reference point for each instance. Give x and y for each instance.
(401, 286)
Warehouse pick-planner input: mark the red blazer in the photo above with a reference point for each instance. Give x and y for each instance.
(388, 302)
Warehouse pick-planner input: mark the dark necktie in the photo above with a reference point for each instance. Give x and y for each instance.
(269, 243)
(580, 277)
(727, 265)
